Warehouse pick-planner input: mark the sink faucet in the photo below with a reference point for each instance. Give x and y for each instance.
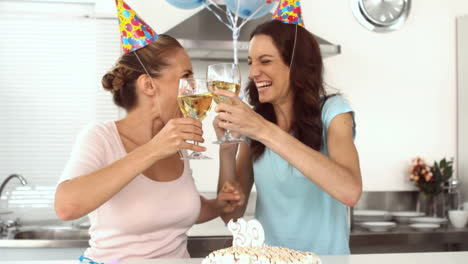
(4, 183)
(15, 224)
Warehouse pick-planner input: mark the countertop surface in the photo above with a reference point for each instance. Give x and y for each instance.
(408, 258)
(217, 228)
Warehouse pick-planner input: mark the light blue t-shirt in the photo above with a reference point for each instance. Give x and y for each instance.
(295, 212)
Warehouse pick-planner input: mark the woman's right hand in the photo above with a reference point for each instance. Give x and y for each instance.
(220, 133)
(175, 135)
(218, 130)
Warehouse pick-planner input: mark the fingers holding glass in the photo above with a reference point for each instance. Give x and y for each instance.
(194, 101)
(224, 76)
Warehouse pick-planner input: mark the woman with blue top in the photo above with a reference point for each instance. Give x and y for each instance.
(300, 151)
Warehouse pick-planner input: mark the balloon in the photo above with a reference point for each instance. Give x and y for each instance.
(248, 7)
(186, 4)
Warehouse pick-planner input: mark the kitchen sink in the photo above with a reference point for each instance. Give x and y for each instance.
(52, 234)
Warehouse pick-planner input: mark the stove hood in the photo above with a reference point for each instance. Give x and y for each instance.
(206, 38)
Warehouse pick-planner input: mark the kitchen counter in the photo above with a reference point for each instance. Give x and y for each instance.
(402, 239)
(212, 235)
(408, 258)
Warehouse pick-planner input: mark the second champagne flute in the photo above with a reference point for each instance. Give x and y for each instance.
(194, 101)
(224, 76)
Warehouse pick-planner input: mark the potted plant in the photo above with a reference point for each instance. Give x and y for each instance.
(429, 181)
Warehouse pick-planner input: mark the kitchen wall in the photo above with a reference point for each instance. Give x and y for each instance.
(402, 84)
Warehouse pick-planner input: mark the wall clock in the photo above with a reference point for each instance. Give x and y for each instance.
(381, 15)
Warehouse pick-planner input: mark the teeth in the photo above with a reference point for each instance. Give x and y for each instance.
(263, 84)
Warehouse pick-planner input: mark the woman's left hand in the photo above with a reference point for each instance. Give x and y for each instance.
(240, 117)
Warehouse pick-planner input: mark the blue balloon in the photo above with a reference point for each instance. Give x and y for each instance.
(248, 7)
(186, 4)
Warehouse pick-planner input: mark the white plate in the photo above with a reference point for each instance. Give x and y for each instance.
(371, 215)
(427, 219)
(405, 216)
(378, 226)
(424, 226)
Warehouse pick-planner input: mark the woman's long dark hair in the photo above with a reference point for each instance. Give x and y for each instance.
(306, 83)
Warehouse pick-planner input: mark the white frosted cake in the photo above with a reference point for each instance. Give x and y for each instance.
(249, 248)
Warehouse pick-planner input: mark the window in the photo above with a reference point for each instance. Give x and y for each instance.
(52, 57)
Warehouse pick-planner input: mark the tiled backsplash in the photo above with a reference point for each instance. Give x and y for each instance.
(36, 203)
(31, 197)
(29, 203)
(388, 201)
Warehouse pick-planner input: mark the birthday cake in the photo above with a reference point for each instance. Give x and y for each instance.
(249, 248)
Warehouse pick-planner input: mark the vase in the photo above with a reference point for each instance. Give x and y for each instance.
(431, 205)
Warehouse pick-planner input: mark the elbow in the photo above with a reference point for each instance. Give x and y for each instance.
(66, 213)
(353, 195)
(63, 214)
(66, 210)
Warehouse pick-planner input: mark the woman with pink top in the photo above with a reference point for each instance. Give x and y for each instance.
(128, 176)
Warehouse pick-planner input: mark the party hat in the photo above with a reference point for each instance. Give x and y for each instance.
(135, 33)
(289, 12)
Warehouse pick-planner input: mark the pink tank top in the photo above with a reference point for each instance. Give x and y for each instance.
(146, 219)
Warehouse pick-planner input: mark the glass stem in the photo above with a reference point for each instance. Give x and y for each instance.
(227, 134)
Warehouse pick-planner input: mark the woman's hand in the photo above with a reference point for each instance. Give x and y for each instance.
(175, 134)
(239, 117)
(229, 197)
(218, 130)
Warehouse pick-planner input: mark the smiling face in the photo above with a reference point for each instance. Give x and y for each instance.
(179, 67)
(268, 71)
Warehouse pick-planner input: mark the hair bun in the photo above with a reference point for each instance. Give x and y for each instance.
(113, 80)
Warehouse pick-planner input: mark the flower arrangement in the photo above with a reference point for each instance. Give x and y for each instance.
(428, 179)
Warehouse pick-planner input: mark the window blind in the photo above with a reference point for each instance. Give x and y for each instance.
(52, 57)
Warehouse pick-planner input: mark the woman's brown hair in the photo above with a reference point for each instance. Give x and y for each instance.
(306, 83)
(121, 79)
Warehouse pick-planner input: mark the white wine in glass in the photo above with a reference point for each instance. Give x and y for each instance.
(224, 76)
(196, 106)
(220, 85)
(194, 101)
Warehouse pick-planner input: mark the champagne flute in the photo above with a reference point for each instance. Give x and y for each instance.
(194, 101)
(224, 76)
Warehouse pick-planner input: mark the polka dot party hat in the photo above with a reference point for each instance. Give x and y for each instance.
(289, 12)
(135, 33)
